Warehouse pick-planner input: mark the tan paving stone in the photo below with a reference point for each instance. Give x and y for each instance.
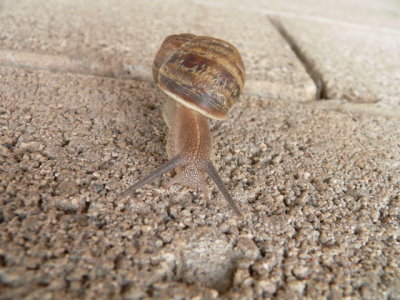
(351, 46)
(355, 64)
(356, 13)
(121, 38)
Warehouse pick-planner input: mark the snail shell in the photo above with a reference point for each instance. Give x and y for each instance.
(203, 73)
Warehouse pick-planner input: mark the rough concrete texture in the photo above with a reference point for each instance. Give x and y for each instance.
(318, 182)
(319, 190)
(120, 40)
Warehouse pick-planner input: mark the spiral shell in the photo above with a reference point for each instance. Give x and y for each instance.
(201, 72)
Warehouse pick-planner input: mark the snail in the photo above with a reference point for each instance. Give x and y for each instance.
(203, 77)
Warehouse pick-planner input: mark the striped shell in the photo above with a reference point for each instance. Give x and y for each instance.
(203, 73)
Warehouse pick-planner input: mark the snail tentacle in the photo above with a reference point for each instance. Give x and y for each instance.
(166, 167)
(213, 173)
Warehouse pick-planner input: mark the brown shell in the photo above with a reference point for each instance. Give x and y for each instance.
(201, 72)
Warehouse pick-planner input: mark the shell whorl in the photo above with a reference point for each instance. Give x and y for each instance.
(201, 72)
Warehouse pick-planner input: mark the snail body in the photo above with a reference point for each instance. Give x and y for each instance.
(203, 76)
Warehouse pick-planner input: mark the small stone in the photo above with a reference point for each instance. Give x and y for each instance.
(240, 276)
(267, 286)
(247, 248)
(31, 262)
(69, 205)
(244, 263)
(4, 151)
(30, 146)
(297, 286)
(301, 272)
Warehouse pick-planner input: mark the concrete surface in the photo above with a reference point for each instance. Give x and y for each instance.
(317, 181)
(350, 47)
(355, 64)
(377, 15)
(120, 40)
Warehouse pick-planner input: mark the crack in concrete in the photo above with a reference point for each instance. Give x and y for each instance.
(371, 109)
(64, 64)
(308, 63)
(61, 64)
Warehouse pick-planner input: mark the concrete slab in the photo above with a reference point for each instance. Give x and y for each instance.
(355, 13)
(319, 190)
(121, 39)
(354, 64)
(350, 47)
